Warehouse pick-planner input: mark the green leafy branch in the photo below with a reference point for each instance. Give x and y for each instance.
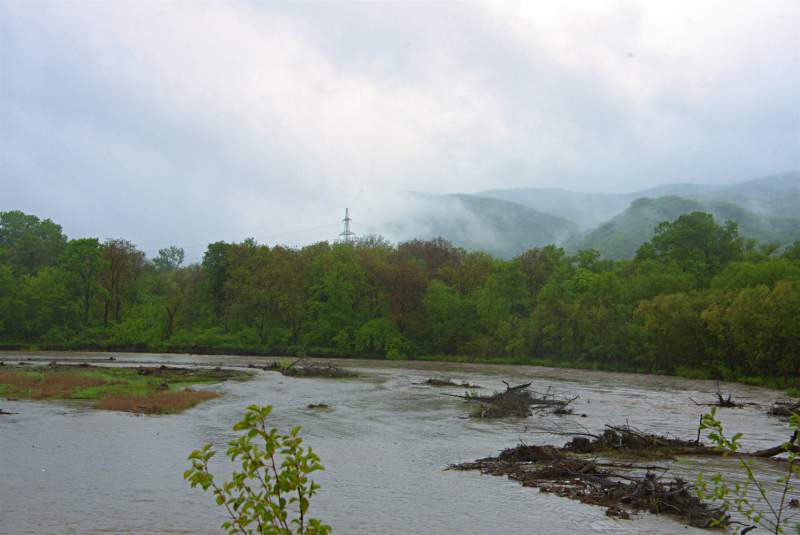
(272, 491)
(750, 498)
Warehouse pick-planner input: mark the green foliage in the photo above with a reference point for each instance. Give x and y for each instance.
(623, 235)
(169, 259)
(271, 494)
(696, 301)
(82, 263)
(750, 498)
(697, 244)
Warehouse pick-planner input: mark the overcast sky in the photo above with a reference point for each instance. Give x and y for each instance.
(190, 122)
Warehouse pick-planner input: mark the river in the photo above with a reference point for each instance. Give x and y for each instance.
(385, 441)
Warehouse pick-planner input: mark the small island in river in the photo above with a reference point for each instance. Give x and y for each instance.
(146, 390)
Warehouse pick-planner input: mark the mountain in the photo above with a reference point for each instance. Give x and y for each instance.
(624, 234)
(775, 196)
(504, 229)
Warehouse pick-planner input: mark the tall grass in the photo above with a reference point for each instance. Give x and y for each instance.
(156, 402)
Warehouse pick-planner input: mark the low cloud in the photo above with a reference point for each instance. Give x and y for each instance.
(186, 123)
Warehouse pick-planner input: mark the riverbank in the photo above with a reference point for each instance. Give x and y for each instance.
(710, 373)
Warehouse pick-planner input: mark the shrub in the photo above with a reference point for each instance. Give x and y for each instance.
(268, 490)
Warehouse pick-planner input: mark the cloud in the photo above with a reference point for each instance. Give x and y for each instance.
(191, 122)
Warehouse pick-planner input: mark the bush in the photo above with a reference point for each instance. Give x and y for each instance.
(268, 490)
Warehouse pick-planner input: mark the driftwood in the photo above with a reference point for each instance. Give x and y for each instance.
(724, 402)
(516, 402)
(553, 470)
(629, 440)
(790, 446)
(784, 408)
(299, 369)
(6, 412)
(447, 382)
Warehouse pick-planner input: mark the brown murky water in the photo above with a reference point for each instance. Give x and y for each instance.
(384, 441)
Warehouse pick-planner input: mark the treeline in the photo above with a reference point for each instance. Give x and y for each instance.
(697, 300)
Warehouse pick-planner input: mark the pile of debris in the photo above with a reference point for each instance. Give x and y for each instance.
(299, 368)
(784, 408)
(725, 403)
(517, 402)
(448, 382)
(627, 440)
(555, 470)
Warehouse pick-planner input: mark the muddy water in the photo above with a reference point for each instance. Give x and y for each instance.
(384, 441)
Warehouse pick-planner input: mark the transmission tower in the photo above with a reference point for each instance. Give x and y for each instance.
(346, 236)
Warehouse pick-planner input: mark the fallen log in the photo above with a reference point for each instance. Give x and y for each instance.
(790, 446)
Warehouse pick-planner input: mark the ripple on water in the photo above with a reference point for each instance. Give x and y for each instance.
(384, 443)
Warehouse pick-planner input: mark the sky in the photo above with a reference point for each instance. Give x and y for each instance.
(184, 123)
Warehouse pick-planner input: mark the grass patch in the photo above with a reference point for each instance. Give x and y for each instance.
(158, 389)
(56, 384)
(156, 402)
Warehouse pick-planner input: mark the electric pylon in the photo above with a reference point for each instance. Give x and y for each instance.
(346, 236)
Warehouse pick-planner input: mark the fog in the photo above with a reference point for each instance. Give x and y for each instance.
(189, 122)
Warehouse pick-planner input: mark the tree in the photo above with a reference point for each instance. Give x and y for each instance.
(334, 301)
(124, 265)
(436, 253)
(538, 264)
(180, 290)
(671, 333)
(82, 263)
(405, 283)
(169, 259)
(696, 243)
(792, 252)
(445, 326)
(272, 485)
(35, 244)
(215, 267)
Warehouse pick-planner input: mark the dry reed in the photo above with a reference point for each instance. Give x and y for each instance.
(157, 402)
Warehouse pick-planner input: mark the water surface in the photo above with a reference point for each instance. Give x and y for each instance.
(384, 441)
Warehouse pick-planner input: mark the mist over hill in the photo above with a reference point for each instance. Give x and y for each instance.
(502, 228)
(509, 222)
(775, 196)
(624, 234)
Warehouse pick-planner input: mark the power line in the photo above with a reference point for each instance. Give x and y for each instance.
(262, 237)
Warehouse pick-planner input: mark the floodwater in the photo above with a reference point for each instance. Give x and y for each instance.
(385, 442)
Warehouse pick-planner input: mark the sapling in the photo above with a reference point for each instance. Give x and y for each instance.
(271, 494)
(750, 498)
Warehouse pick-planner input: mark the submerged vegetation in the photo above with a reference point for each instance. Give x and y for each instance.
(696, 300)
(139, 390)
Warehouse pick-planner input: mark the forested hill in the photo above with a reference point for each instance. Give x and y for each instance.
(502, 228)
(774, 196)
(622, 236)
(696, 300)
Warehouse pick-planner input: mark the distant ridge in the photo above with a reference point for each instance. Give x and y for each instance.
(775, 196)
(624, 234)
